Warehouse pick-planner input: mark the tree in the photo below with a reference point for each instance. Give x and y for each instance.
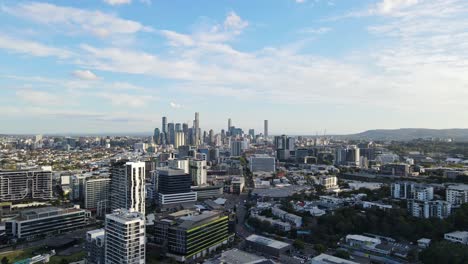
(320, 248)
(5, 260)
(342, 254)
(299, 244)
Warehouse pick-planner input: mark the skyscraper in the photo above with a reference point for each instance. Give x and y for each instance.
(196, 126)
(179, 139)
(265, 129)
(170, 133)
(128, 186)
(164, 125)
(156, 136)
(125, 237)
(229, 124)
(178, 127)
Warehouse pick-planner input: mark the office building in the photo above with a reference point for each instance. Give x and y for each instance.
(95, 247)
(347, 156)
(229, 125)
(267, 245)
(238, 146)
(173, 187)
(97, 194)
(195, 235)
(45, 221)
(428, 209)
(262, 163)
(457, 194)
(128, 186)
(265, 129)
(198, 172)
(285, 147)
(411, 190)
(208, 191)
(396, 169)
(26, 185)
(125, 237)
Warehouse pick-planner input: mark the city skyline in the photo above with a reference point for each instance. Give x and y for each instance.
(339, 66)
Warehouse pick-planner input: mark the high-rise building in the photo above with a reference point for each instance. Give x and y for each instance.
(348, 156)
(265, 129)
(156, 136)
(178, 127)
(237, 147)
(411, 190)
(457, 194)
(173, 187)
(128, 186)
(164, 127)
(125, 237)
(252, 133)
(196, 126)
(198, 172)
(97, 194)
(26, 185)
(284, 146)
(170, 133)
(95, 246)
(428, 209)
(179, 139)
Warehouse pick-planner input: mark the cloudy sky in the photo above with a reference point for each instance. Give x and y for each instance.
(306, 65)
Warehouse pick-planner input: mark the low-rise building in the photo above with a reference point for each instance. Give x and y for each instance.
(262, 163)
(277, 224)
(380, 206)
(328, 259)
(291, 218)
(44, 221)
(329, 182)
(457, 237)
(267, 245)
(208, 191)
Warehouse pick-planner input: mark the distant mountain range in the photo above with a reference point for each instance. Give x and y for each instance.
(405, 134)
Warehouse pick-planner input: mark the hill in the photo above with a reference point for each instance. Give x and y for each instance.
(405, 134)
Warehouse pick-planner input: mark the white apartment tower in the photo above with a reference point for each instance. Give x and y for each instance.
(125, 237)
(128, 186)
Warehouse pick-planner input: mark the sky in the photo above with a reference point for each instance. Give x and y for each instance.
(308, 66)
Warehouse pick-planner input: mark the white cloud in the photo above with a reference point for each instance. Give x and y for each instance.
(72, 20)
(177, 39)
(32, 48)
(85, 75)
(317, 31)
(127, 100)
(300, 1)
(175, 106)
(389, 6)
(117, 2)
(39, 98)
(235, 22)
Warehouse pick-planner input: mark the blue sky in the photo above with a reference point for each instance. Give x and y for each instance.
(305, 65)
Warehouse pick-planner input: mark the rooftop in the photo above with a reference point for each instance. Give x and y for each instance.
(324, 258)
(195, 220)
(267, 242)
(458, 187)
(236, 256)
